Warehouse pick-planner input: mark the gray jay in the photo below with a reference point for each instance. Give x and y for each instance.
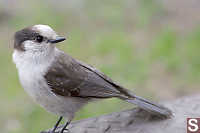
(62, 84)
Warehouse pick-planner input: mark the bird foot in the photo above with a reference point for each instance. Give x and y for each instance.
(65, 131)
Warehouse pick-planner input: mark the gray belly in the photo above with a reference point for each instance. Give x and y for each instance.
(42, 94)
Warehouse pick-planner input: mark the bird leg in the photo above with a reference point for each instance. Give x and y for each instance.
(56, 125)
(64, 128)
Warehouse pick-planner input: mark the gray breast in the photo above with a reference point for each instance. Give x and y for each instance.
(36, 86)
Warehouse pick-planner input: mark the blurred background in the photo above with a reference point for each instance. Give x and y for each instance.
(149, 46)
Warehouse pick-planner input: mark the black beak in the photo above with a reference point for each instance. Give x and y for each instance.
(57, 40)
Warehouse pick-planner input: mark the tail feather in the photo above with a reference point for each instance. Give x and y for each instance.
(151, 107)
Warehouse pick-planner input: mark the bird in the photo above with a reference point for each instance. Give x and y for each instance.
(62, 84)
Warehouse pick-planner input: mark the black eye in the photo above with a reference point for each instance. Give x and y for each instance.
(39, 38)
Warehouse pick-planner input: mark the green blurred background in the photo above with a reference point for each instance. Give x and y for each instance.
(149, 46)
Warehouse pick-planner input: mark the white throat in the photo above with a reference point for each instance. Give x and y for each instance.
(31, 60)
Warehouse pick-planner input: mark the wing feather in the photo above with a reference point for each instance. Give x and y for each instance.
(70, 77)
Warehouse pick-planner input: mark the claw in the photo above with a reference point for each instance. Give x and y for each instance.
(64, 131)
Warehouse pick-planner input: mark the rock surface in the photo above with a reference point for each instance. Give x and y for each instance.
(138, 121)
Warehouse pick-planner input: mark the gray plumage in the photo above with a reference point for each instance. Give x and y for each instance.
(70, 77)
(62, 84)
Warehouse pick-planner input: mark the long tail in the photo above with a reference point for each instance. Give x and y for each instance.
(150, 107)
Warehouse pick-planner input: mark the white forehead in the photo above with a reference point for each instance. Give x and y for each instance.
(45, 30)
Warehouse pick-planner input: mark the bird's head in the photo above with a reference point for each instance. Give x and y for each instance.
(35, 45)
(36, 39)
